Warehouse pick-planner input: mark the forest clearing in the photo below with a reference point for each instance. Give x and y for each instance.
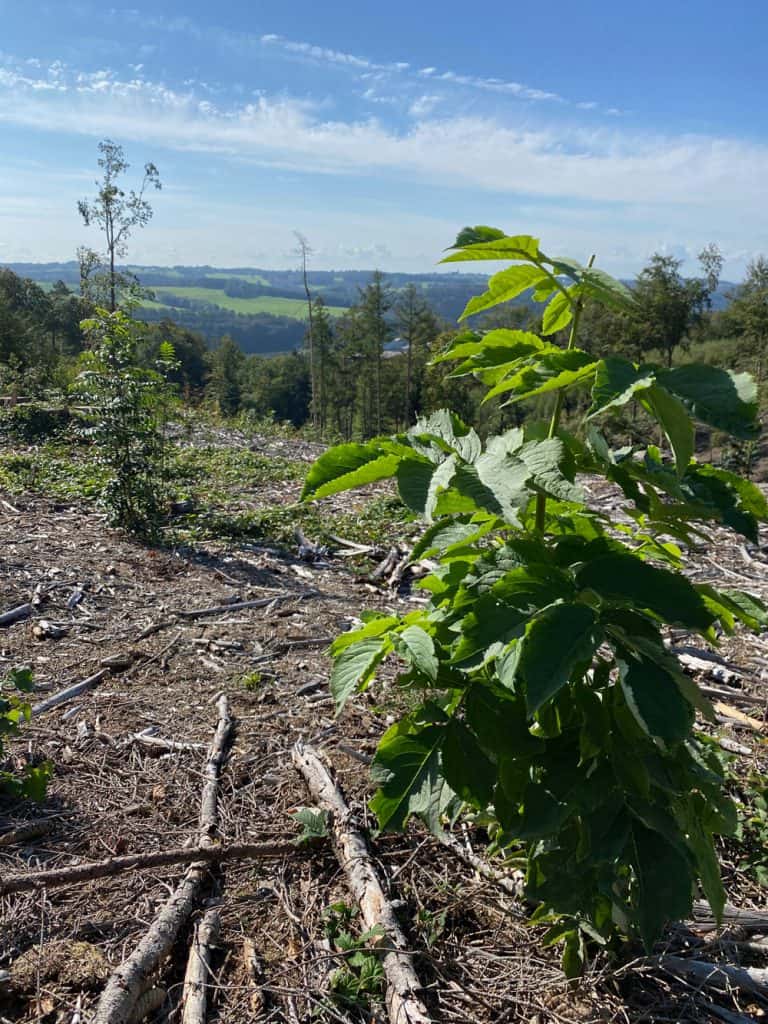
(162, 634)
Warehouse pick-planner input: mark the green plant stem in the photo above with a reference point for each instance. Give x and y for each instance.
(554, 423)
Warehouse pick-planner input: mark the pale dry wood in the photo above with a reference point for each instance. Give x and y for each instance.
(70, 693)
(160, 744)
(131, 979)
(403, 1002)
(110, 866)
(746, 918)
(738, 716)
(720, 976)
(255, 975)
(261, 602)
(198, 974)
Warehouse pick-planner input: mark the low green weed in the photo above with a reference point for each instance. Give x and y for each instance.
(32, 781)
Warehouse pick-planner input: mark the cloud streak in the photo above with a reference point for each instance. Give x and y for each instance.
(465, 152)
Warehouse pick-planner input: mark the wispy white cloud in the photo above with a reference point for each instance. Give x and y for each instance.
(486, 153)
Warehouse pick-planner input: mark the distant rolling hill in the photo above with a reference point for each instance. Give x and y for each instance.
(265, 311)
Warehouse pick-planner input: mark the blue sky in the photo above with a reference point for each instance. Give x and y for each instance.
(378, 130)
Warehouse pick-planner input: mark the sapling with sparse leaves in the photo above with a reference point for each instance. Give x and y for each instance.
(128, 407)
(544, 700)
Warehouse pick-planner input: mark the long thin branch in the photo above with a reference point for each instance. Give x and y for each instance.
(72, 691)
(402, 999)
(126, 985)
(111, 866)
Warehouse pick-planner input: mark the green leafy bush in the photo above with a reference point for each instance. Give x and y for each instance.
(32, 423)
(14, 710)
(544, 697)
(128, 413)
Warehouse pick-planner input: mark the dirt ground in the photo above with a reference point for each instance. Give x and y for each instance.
(109, 597)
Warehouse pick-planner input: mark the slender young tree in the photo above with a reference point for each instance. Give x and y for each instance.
(375, 302)
(115, 212)
(418, 326)
(304, 250)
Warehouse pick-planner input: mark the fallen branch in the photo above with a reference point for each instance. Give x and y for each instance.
(513, 884)
(16, 614)
(746, 918)
(71, 692)
(261, 602)
(196, 980)
(402, 999)
(255, 975)
(738, 716)
(32, 830)
(160, 744)
(131, 979)
(111, 866)
(720, 976)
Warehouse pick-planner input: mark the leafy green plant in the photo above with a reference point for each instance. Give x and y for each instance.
(751, 832)
(14, 710)
(545, 698)
(127, 424)
(361, 977)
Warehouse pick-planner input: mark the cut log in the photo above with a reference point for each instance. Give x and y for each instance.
(132, 978)
(23, 611)
(197, 979)
(403, 1001)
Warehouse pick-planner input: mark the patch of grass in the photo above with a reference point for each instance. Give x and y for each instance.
(221, 275)
(251, 681)
(294, 308)
(216, 475)
(379, 523)
(60, 471)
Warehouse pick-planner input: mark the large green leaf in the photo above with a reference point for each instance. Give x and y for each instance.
(617, 380)
(675, 422)
(655, 700)
(560, 639)
(407, 768)
(551, 370)
(374, 626)
(505, 247)
(627, 580)
(414, 476)
(560, 310)
(607, 290)
(505, 477)
(664, 882)
(468, 771)
(720, 398)
(418, 647)
(504, 286)
(347, 466)
(355, 667)
(548, 462)
(493, 349)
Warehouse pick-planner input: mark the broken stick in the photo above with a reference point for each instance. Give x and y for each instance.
(111, 866)
(198, 974)
(72, 691)
(402, 999)
(126, 985)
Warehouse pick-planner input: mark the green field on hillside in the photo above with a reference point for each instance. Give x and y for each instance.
(295, 308)
(250, 278)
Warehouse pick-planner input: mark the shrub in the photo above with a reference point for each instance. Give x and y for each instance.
(545, 700)
(128, 410)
